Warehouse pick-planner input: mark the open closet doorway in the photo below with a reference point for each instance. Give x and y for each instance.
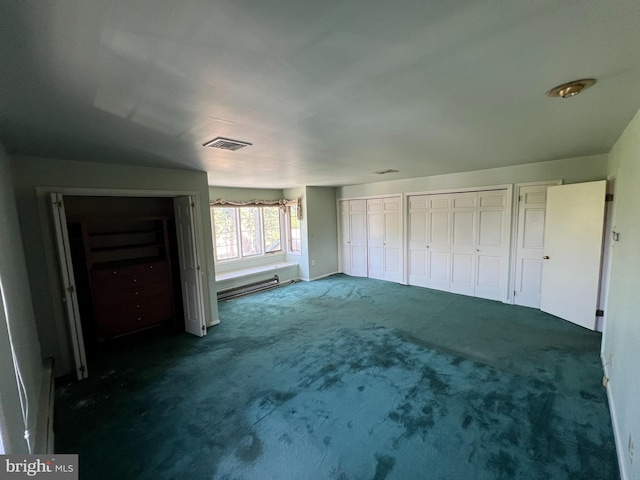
(127, 264)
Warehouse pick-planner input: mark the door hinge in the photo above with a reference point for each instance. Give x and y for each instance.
(515, 293)
(193, 204)
(70, 289)
(203, 328)
(520, 198)
(58, 204)
(82, 368)
(608, 197)
(599, 313)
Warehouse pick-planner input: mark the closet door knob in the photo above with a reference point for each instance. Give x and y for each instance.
(546, 257)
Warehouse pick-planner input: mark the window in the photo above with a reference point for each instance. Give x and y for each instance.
(243, 232)
(294, 229)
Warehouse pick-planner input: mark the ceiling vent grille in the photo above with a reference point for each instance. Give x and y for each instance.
(226, 144)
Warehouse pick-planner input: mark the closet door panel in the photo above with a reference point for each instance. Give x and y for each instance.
(439, 241)
(392, 242)
(375, 238)
(358, 229)
(463, 242)
(493, 245)
(345, 237)
(418, 240)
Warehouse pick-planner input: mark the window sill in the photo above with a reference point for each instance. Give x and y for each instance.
(247, 272)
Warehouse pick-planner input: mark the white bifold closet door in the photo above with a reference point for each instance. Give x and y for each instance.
(384, 222)
(345, 236)
(463, 242)
(429, 241)
(354, 237)
(458, 242)
(492, 251)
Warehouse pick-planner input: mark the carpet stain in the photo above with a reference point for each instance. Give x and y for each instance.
(503, 465)
(466, 421)
(384, 465)
(435, 382)
(250, 448)
(588, 395)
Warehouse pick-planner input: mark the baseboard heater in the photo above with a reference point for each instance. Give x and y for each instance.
(250, 288)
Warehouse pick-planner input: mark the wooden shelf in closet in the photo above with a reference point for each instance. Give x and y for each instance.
(129, 271)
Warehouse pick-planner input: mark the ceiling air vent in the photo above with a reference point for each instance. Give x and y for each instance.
(226, 144)
(384, 172)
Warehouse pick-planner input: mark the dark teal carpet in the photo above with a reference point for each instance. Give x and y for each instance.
(348, 378)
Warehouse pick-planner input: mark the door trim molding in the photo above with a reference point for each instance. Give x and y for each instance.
(64, 341)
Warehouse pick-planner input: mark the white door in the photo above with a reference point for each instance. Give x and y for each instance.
(345, 233)
(572, 251)
(190, 270)
(439, 242)
(463, 242)
(375, 238)
(358, 239)
(492, 248)
(68, 284)
(532, 206)
(392, 241)
(418, 243)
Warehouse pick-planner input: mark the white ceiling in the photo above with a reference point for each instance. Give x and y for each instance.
(328, 92)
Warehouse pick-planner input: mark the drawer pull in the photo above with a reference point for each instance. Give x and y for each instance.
(150, 266)
(115, 271)
(139, 318)
(135, 280)
(137, 306)
(136, 293)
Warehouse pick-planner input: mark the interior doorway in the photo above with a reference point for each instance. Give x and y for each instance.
(126, 267)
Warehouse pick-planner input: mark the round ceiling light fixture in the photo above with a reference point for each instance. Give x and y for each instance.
(571, 89)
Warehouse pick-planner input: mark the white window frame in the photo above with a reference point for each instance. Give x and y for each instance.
(242, 258)
(290, 236)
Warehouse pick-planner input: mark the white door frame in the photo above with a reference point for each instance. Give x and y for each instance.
(65, 340)
(514, 233)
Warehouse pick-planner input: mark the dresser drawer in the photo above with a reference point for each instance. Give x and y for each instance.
(133, 315)
(130, 276)
(103, 297)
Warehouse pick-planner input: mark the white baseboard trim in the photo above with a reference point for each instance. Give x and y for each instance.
(44, 427)
(616, 431)
(321, 276)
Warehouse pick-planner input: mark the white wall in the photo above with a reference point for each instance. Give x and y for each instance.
(570, 170)
(18, 319)
(621, 337)
(30, 173)
(322, 231)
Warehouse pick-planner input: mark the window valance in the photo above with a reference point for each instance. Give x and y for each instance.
(283, 203)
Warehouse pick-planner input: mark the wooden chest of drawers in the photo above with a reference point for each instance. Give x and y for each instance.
(131, 297)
